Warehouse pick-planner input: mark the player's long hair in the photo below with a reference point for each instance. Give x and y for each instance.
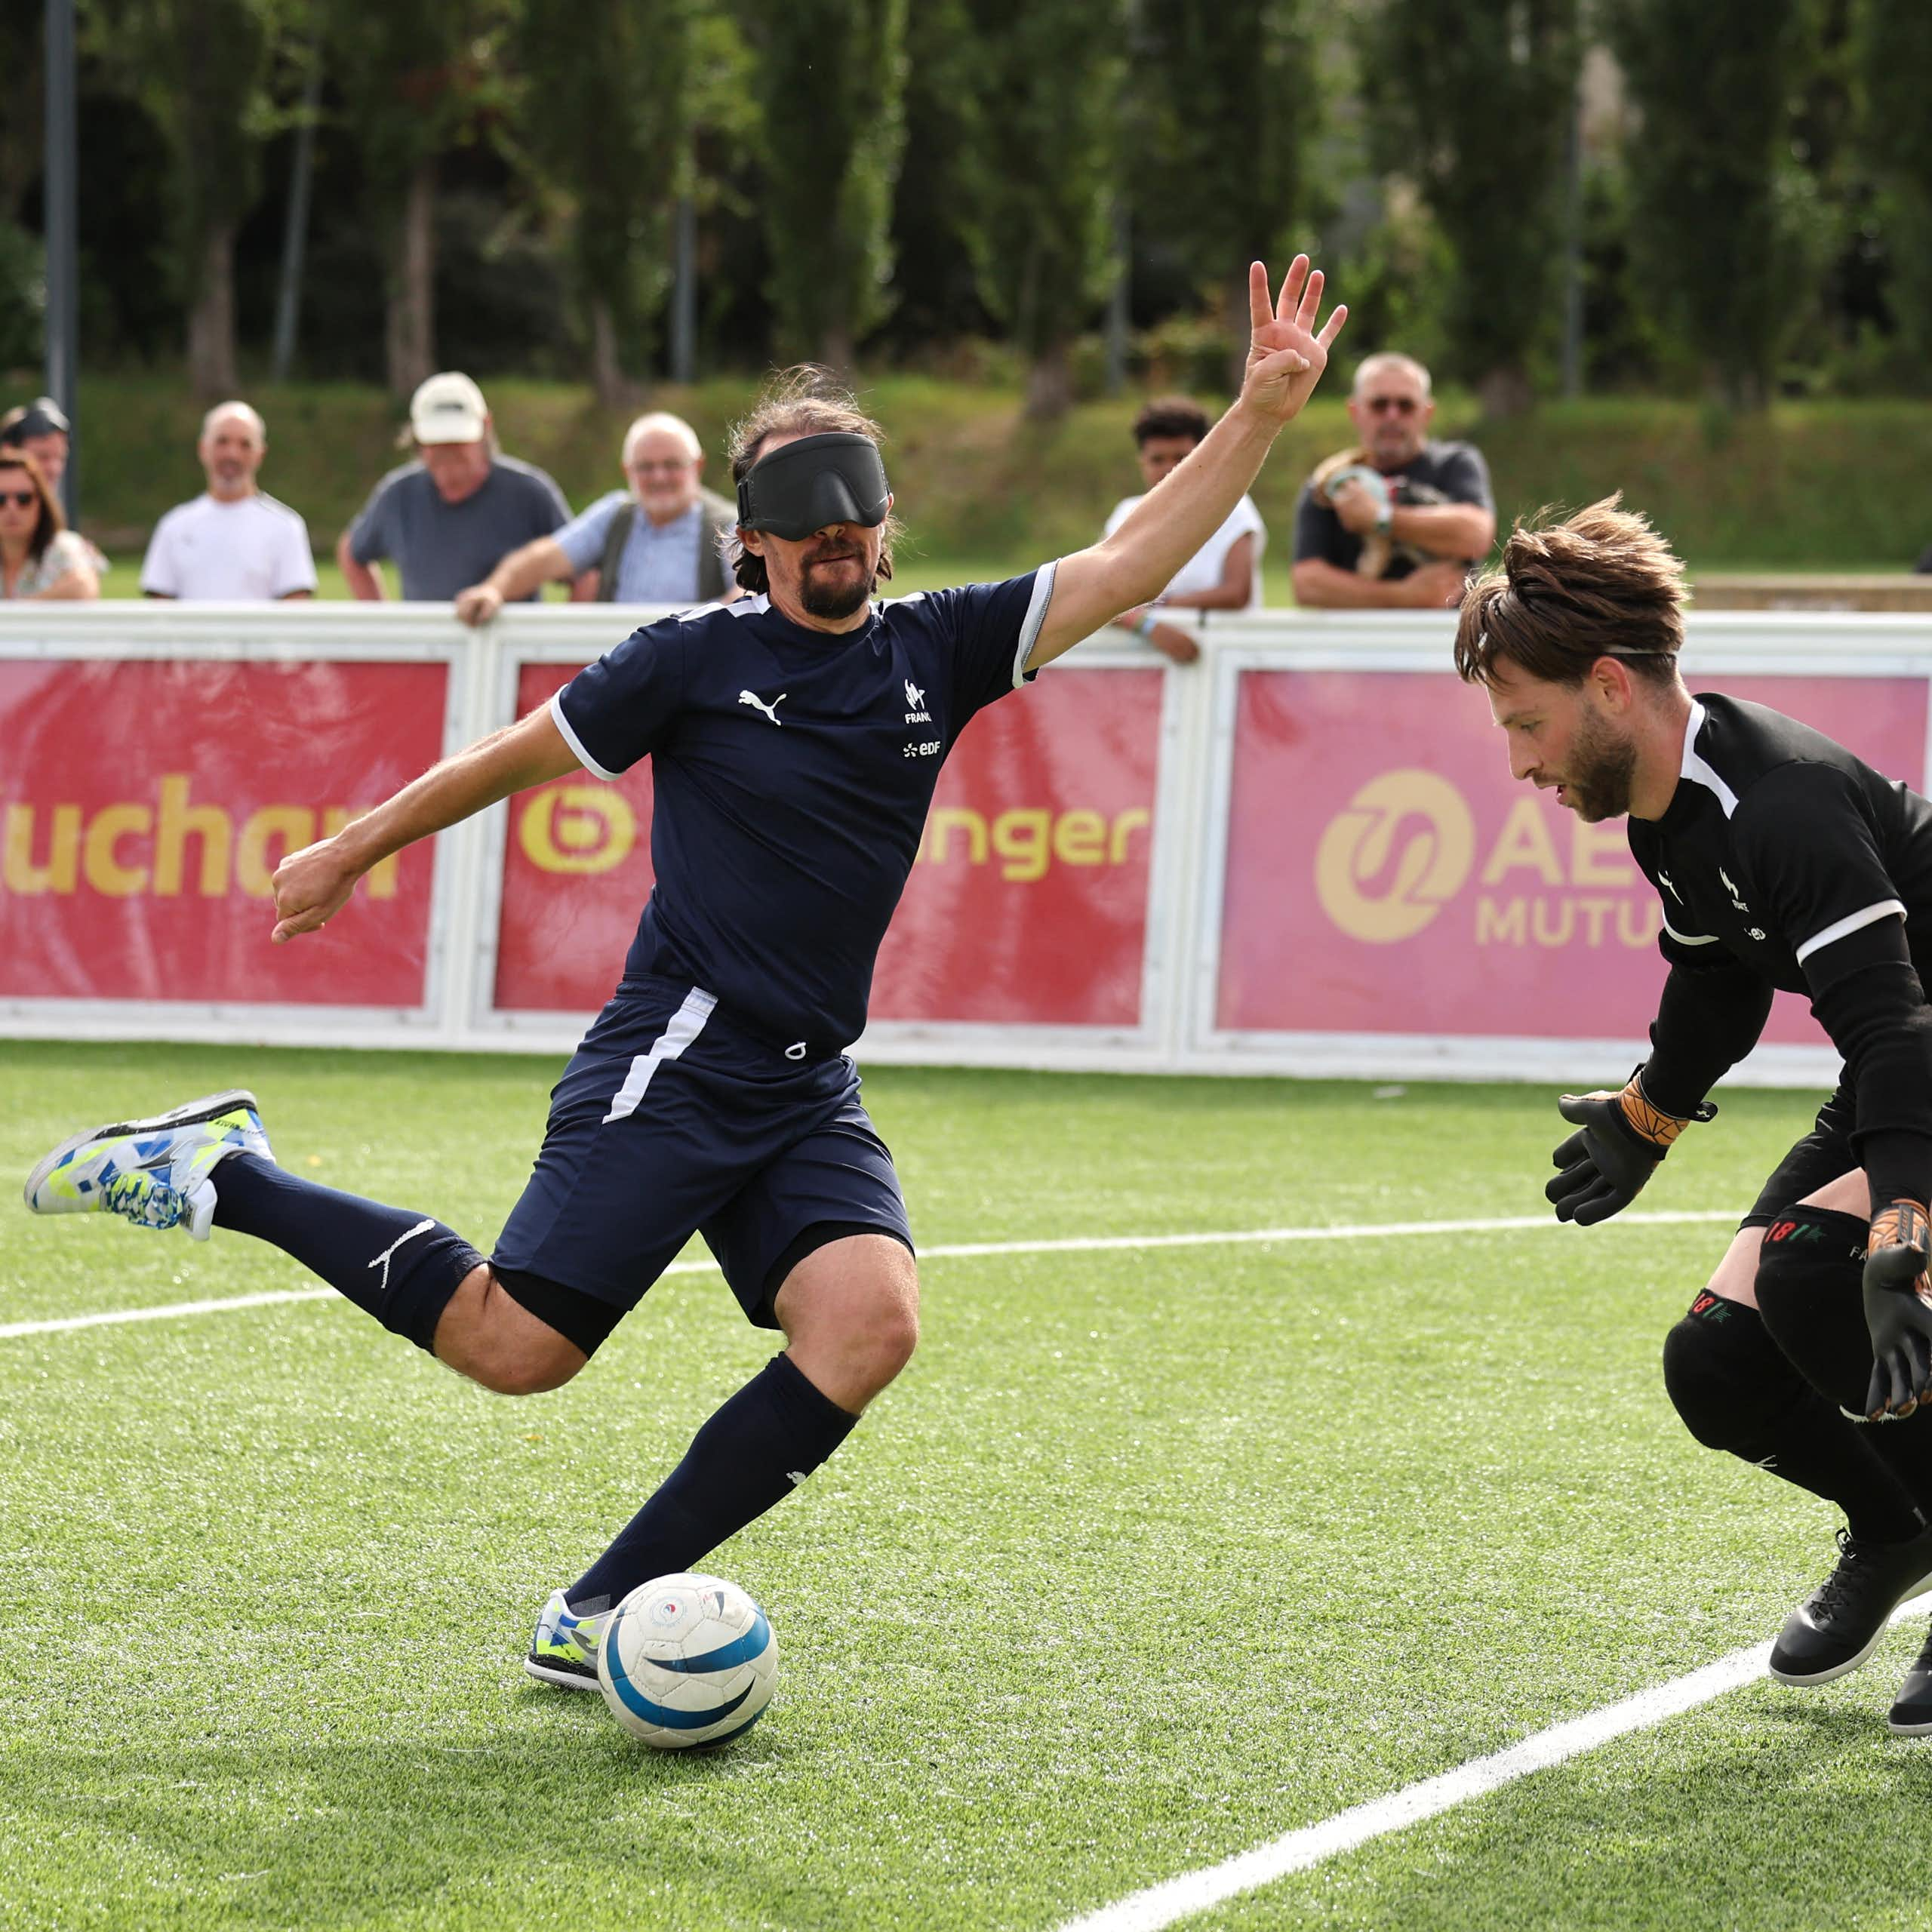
(803, 401)
(49, 523)
(1601, 583)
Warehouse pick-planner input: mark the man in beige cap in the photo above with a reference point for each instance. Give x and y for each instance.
(444, 518)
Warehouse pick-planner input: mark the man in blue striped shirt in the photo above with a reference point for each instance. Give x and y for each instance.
(660, 541)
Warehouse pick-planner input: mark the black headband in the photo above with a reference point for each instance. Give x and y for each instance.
(801, 487)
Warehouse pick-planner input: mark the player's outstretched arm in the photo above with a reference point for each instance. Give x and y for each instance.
(312, 885)
(1287, 354)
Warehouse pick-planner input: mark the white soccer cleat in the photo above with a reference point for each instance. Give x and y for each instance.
(563, 1651)
(154, 1173)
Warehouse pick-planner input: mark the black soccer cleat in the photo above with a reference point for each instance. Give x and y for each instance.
(1911, 1714)
(1838, 1626)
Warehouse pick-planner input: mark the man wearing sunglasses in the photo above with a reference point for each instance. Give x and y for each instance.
(1395, 522)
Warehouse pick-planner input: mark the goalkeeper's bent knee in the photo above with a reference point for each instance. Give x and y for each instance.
(1727, 1379)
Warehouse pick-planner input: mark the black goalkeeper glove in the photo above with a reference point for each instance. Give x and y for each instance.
(1898, 1311)
(1619, 1141)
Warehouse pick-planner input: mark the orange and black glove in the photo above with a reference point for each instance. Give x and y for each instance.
(1619, 1141)
(1898, 1311)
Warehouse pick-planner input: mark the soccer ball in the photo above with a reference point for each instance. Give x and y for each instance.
(686, 1660)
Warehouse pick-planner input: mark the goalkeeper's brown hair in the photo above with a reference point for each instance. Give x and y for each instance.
(1601, 583)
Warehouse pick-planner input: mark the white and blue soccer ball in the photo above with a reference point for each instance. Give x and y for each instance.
(686, 1660)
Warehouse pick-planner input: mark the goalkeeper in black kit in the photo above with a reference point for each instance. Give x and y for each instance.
(1782, 861)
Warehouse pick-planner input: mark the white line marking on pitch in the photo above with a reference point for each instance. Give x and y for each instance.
(947, 1250)
(1191, 1892)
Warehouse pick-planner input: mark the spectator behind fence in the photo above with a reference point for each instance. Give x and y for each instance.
(39, 555)
(234, 543)
(1397, 520)
(1225, 573)
(659, 541)
(41, 428)
(444, 519)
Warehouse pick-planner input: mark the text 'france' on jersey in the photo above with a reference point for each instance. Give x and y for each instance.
(793, 770)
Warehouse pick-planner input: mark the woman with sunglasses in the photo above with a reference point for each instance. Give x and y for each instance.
(39, 555)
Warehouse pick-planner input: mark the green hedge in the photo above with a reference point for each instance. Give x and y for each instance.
(1808, 486)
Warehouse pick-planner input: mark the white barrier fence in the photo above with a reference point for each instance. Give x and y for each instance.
(1303, 854)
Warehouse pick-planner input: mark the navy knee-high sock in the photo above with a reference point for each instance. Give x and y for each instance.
(401, 1267)
(753, 1453)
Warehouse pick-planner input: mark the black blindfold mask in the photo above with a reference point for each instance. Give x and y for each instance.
(816, 481)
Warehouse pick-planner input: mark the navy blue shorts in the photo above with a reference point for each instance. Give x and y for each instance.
(670, 1121)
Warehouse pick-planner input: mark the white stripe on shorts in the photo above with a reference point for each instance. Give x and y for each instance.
(686, 1024)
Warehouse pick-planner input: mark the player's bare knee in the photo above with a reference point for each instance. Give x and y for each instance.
(534, 1373)
(487, 1335)
(889, 1337)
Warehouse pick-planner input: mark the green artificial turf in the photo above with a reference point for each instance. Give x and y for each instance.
(1152, 1555)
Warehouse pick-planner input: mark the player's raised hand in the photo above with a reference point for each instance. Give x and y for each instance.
(1898, 1311)
(1286, 354)
(311, 886)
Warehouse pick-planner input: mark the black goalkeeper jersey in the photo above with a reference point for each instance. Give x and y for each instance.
(1784, 861)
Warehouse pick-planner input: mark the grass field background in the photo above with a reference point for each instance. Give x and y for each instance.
(1152, 1555)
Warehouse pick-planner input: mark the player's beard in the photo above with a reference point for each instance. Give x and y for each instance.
(826, 597)
(1602, 768)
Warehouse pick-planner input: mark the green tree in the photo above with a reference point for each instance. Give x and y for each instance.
(198, 69)
(22, 94)
(1230, 104)
(831, 81)
(1052, 80)
(1473, 100)
(1712, 80)
(1893, 49)
(412, 75)
(940, 204)
(605, 98)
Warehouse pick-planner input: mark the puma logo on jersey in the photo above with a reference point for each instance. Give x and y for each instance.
(757, 703)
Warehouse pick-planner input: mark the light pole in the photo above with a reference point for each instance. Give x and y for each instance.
(62, 224)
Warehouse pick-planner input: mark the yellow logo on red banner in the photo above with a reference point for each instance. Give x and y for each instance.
(1391, 861)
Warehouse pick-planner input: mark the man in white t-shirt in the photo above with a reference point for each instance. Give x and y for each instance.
(235, 544)
(1225, 573)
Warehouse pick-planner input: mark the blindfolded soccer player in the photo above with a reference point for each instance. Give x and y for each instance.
(795, 737)
(1783, 861)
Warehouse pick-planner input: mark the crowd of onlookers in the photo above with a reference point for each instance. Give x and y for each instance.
(1395, 520)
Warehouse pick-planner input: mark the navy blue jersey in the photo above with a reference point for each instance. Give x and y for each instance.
(793, 770)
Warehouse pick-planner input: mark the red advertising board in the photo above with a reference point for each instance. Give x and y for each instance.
(1385, 874)
(144, 806)
(1028, 901)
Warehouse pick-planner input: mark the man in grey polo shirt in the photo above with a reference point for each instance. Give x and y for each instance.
(659, 541)
(444, 518)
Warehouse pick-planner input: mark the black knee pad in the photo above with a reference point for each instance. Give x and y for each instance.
(1810, 1277)
(1727, 1378)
